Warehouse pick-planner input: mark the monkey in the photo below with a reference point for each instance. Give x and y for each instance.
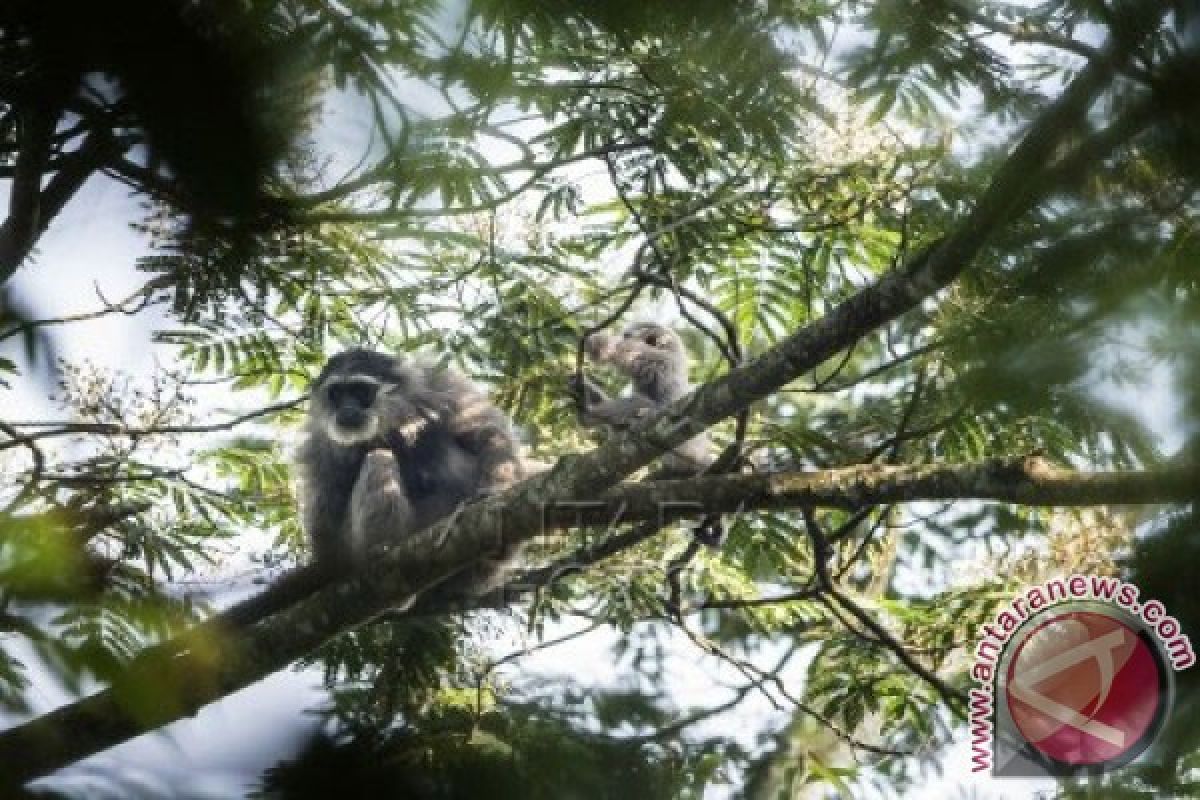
(655, 361)
(392, 447)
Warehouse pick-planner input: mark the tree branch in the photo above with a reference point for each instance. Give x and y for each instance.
(308, 207)
(32, 208)
(1025, 481)
(114, 429)
(133, 304)
(20, 228)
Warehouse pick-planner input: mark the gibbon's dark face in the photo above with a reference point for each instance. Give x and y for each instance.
(350, 400)
(654, 336)
(347, 393)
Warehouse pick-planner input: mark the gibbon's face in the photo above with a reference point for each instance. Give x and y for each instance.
(648, 341)
(644, 346)
(352, 401)
(348, 393)
(654, 336)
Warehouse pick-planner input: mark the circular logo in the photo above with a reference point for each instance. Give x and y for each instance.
(1085, 688)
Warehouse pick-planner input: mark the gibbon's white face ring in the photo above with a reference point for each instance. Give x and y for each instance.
(352, 436)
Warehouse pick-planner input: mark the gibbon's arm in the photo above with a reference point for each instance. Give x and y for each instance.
(325, 483)
(481, 429)
(599, 410)
(618, 412)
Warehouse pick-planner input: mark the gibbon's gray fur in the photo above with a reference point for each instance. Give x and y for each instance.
(655, 361)
(393, 446)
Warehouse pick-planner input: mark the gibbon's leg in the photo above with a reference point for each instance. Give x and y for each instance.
(380, 509)
(325, 508)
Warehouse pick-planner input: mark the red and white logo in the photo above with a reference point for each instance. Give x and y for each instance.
(1084, 688)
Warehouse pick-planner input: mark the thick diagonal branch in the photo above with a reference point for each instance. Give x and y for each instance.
(20, 227)
(31, 207)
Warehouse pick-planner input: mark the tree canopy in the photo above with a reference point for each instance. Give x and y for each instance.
(921, 255)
